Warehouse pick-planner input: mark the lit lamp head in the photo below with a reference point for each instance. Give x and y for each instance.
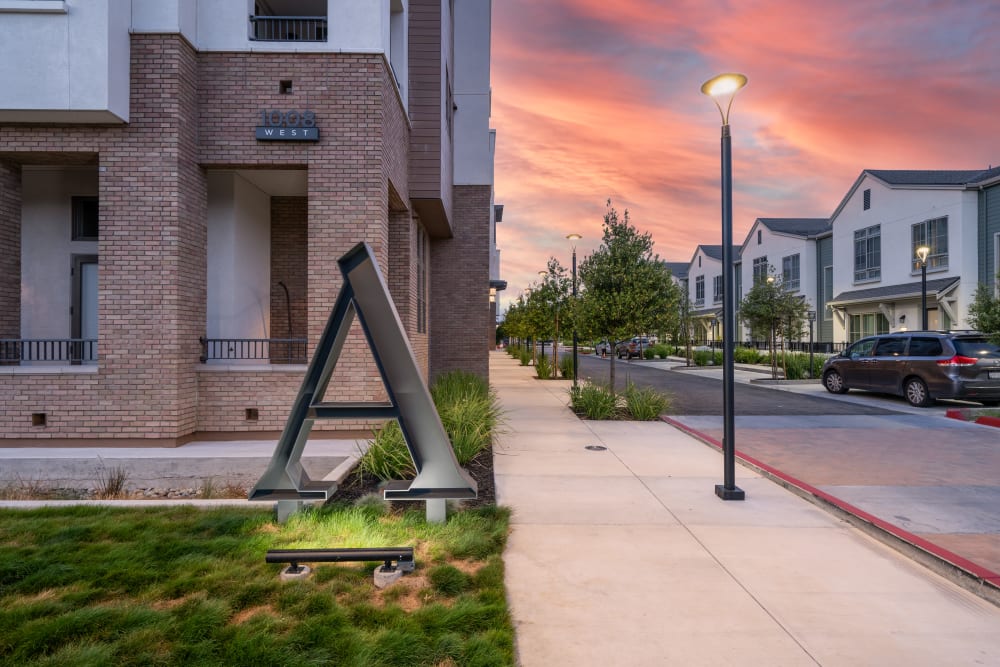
(574, 237)
(722, 89)
(922, 253)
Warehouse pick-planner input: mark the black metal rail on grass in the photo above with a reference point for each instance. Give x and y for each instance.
(403, 556)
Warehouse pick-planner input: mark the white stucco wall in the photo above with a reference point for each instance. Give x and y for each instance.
(47, 248)
(239, 258)
(66, 67)
(776, 247)
(166, 16)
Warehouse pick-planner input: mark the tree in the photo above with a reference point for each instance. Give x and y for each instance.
(984, 312)
(627, 290)
(770, 311)
(551, 307)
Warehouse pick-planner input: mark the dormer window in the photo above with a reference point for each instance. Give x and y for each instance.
(868, 199)
(288, 21)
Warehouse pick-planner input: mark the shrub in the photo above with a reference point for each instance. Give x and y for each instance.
(470, 414)
(524, 356)
(543, 367)
(707, 358)
(797, 366)
(593, 400)
(648, 353)
(748, 355)
(566, 366)
(644, 403)
(662, 351)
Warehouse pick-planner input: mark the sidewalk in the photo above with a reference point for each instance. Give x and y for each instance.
(625, 556)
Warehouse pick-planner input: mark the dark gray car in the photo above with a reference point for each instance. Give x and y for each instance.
(921, 366)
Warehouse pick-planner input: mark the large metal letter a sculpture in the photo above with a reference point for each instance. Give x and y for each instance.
(365, 294)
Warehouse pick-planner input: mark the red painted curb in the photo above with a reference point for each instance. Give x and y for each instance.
(894, 530)
(988, 421)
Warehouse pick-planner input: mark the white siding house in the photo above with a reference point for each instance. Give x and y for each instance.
(883, 219)
(704, 279)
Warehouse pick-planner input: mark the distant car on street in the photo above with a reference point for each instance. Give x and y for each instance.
(632, 348)
(602, 348)
(921, 366)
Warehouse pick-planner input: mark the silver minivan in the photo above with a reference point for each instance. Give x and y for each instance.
(921, 366)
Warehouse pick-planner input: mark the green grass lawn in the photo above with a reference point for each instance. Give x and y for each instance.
(185, 586)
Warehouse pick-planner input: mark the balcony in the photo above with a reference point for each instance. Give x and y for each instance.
(41, 351)
(267, 350)
(288, 28)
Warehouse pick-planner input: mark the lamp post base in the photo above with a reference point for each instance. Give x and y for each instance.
(734, 493)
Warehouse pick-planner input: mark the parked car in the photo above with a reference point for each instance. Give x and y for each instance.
(632, 348)
(602, 348)
(921, 366)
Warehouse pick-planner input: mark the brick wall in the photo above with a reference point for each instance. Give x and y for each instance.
(10, 256)
(460, 280)
(191, 112)
(289, 229)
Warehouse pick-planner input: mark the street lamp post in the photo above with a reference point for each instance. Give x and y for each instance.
(574, 238)
(811, 316)
(922, 253)
(724, 87)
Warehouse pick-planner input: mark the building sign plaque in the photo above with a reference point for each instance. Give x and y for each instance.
(287, 126)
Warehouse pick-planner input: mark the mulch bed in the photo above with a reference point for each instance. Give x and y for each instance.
(480, 468)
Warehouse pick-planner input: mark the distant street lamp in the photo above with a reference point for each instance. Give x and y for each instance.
(922, 253)
(574, 238)
(811, 316)
(724, 87)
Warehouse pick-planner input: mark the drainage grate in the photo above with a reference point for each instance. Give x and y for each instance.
(596, 448)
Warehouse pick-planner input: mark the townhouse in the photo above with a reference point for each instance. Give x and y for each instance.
(858, 271)
(178, 179)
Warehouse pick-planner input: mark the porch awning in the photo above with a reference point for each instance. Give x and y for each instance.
(935, 289)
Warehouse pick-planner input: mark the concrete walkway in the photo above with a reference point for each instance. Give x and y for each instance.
(625, 556)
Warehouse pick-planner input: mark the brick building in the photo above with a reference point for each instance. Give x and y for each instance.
(179, 177)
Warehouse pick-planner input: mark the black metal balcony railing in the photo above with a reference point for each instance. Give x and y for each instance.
(272, 350)
(288, 28)
(14, 351)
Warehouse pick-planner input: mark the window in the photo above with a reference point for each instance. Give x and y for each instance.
(699, 261)
(867, 324)
(868, 254)
(925, 347)
(934, 235)
(790, 272)
(759, 269)
(827, 291)
(868, 199)
(890, 347)
(699, 290)
(86, 222)
(421, 281)
(760, 237)
(717, 289)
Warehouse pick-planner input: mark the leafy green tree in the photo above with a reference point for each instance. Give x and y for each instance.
(984, 312)
(770, 311)
(627, 290)
(551, 311)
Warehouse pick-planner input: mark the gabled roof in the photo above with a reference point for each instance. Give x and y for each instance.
(678, 269)
(804, 227)
(923, 178)
(905, 290)
(715, 251)
(933, 177)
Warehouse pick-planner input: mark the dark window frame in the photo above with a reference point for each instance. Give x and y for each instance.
(83, 207)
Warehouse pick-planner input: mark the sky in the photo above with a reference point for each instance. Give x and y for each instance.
(599, 99)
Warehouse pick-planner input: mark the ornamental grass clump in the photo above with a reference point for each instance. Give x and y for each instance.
(470, 414)
(566, 367)
(543, 367)
(644, 403)
(593, 400)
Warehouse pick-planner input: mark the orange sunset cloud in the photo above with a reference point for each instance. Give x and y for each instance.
(593, 99)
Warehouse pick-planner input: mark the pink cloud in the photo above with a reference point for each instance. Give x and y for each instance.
(595, 100)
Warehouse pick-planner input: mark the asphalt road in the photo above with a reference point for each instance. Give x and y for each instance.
(694, 395)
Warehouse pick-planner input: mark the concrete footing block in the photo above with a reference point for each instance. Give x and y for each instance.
(286, 508)
(437, 510)
(385, 577)
(288, 574)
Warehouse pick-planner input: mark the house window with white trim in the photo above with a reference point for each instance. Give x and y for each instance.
(790, 272)
(699, 291)
(934, 235)
(717, 289)
(868, 254)
(867, 324)
(759, 269)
